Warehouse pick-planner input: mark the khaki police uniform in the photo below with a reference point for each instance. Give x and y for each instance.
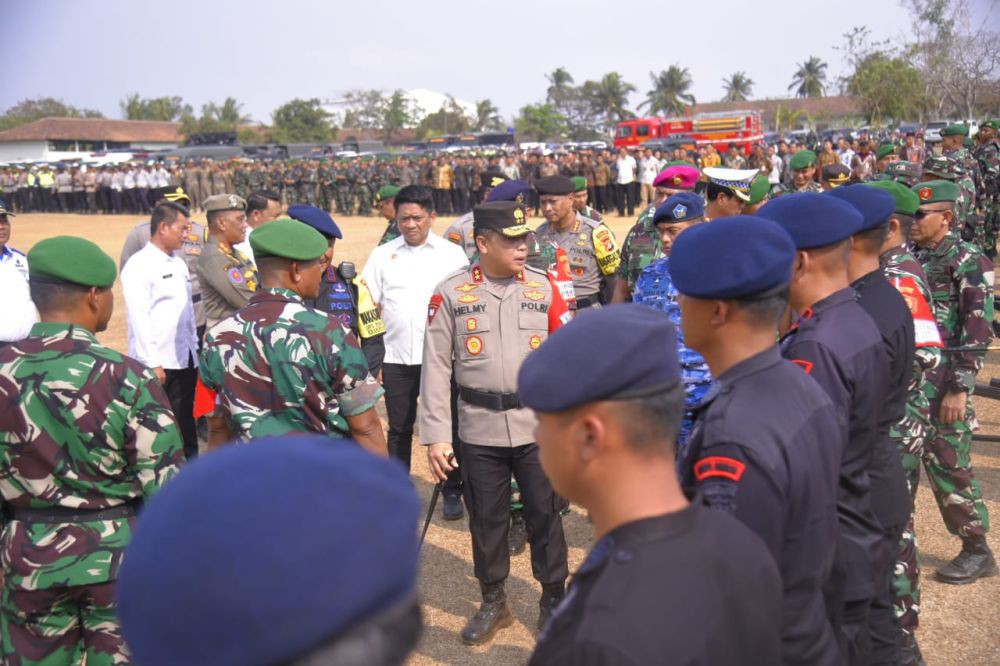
(488, 327)
(228, 279)
(460, 233)
(593, 255)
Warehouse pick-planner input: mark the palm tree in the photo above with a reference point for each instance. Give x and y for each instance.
(559, 83)
(610, 96)
(670, 91)
(227, 114)
(810, 78)
(487, 116)
(739, 87)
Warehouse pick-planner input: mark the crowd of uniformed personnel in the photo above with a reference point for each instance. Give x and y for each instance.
(805, 349)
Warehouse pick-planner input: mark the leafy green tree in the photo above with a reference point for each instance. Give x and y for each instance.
(669, 94)
(226, 117)
(487, 116)
(609, 97)
(540, 122)
(301, 121)
(395, 112)
(738, 87)
(443, 121)
(809, 79)
(135, 107)
(363, 110)
(29, 110)
(560, 84)
(889, 87)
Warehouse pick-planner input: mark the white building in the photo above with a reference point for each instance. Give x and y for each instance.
(54, 139)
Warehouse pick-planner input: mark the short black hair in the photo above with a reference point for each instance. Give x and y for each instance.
(713, 191)
(416, 194)
(165, 211)
(258, 199)
(872, 239)
(765, 311)
(54, 296)
(653, 423)
(385, 640)
(905, 223)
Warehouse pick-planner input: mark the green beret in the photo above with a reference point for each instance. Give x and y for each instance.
(759, 188)
(935, 191)
(71, 259)
(677, 163)
(802, 160)
(387, 192)
(969, 143)
(992, 123)
(288, 239)
(955, 129)
(579, 183)
(907, 201)
(884, 150)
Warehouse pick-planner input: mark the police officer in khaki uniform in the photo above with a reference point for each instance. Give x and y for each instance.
(460, 232)
(593, 251)
(228, 277)
(488, 318)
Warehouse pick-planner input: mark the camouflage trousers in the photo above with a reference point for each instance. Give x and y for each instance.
(62, 626)
(992, 229)
(345, 200)
(515, 496)
(364, 200)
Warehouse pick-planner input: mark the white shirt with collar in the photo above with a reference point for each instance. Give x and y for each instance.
(402, 280)
(19, 313)
(626, 170)
(161, 325)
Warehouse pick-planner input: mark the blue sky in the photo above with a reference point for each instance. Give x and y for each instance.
(92, 54)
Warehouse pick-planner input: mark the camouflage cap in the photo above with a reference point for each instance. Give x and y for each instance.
(71, 259)
(907, 173)
(802, 160)
(956, 129)
(936, 191)
(288, 239)
(943, 166)
(220, 202)
(579, 183)
(907, 201)
(386, 192)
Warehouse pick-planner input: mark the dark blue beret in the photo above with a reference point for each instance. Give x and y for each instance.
(509, 190)
(637, 358)
(681, 207)
(812, 219)
(317, 218)
(259, 553)
(875, 205)
(732, 257)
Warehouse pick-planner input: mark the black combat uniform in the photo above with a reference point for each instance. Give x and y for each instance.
(839, 346)
(766, 447)
(890, 496)
(664, 590)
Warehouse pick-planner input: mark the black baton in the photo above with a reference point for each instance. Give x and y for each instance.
(434, 500)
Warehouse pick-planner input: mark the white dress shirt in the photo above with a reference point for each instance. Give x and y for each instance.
(19, 313)
(402, 279)
(626, 170)
(161, 326)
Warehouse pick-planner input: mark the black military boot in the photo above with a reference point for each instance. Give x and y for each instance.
(974, 562)
(909, 651)
(552, 594)
(517, 537)
(492, 616)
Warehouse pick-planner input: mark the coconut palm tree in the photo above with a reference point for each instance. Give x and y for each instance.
(487, 116)
(559, 84)
(609, 97)
(810, 79)
(670, 91)
(739, 87)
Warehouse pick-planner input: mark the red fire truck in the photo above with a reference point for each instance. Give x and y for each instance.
(718, 129)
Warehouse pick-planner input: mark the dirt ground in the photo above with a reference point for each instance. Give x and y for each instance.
(958, 623)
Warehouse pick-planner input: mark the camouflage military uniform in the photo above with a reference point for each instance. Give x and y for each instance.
(282, 367)
(241, 181)
(641, 247)
(910, 434)
(951, 166)
(364, 190)
(82, 428)
(988, 157)
(655, 288)
(391, 232)
(961, 284)
(307, 185)
(256, 179)
(781, 188)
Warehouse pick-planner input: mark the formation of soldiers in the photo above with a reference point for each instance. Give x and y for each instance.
(821, 435)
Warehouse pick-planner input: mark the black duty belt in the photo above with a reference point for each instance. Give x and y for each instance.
(64, 514)
(582, 303)
(500, 402)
